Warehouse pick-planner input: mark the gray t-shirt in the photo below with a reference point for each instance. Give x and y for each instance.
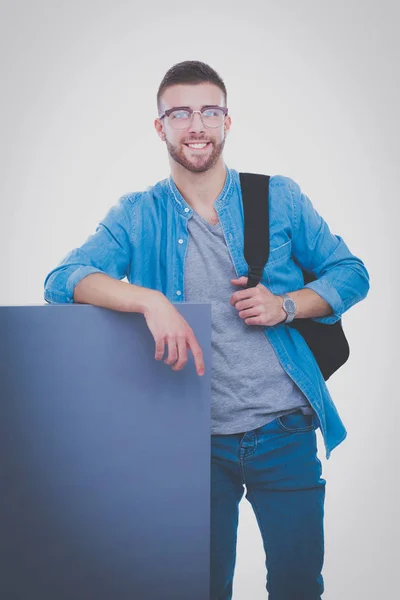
(248, 384)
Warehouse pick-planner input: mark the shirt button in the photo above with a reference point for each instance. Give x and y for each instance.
(289, 367)
(186, 209)
(178, 293)
(180, 241)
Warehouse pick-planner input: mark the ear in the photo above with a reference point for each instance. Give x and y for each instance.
(228, 123)
(160, 129)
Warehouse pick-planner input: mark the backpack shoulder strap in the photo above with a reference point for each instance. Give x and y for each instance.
(256, 223)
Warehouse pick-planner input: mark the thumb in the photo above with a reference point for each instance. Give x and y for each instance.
(240, 280)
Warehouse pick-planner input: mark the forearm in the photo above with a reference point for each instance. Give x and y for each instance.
(309, 304)
(102, 290)
(341, 278)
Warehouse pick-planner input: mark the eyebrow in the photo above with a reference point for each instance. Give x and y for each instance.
(190, 108)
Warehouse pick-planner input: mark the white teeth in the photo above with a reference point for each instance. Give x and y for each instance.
(197, 145)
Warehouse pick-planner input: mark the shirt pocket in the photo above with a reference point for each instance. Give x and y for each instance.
(280, 253)
(279, 272)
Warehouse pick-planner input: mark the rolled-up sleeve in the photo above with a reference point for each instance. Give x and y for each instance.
(342, 279)
(107, 251)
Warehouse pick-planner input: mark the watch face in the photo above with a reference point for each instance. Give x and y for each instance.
(290, 306)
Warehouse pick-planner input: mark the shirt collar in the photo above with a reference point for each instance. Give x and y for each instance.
(185, 209)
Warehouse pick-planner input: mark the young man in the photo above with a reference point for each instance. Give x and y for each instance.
(182, 240)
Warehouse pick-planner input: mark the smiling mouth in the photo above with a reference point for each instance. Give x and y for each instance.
(197, 145)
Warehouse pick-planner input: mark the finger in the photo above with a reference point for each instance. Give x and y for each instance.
(160, 347)
(244, 304)
(250, 312)
(253, 321)
(172, 351)
(242, 295)
(240, 281)
(182, 354)
(197, 354)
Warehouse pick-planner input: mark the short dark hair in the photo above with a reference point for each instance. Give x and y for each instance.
(190, 72)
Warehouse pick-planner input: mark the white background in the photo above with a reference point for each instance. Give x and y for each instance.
(313, 91)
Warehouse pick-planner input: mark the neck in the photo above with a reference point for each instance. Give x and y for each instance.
(200, 190)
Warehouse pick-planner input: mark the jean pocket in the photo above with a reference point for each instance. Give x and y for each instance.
(296, 422)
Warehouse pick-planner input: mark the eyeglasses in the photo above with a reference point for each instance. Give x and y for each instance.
(180, 117)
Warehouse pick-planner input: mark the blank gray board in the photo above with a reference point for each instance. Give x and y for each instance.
(104, 458)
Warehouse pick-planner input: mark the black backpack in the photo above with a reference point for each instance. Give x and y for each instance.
(327, 342)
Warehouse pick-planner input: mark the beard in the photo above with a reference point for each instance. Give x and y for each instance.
(197, 164)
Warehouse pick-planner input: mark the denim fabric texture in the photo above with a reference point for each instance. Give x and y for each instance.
(144, 238)
(279, 466)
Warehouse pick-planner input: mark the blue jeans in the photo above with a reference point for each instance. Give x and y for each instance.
(278, 463)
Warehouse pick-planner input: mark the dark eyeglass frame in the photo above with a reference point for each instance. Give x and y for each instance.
(191, 112)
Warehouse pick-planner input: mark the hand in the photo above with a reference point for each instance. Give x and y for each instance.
(257, 305)
(168, 326)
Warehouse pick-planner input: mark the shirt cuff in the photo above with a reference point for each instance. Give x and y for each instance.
(76, 277)
(324, 289)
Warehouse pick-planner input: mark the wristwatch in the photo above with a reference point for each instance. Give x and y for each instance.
(289, 306)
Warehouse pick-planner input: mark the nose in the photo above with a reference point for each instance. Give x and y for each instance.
(196, 124)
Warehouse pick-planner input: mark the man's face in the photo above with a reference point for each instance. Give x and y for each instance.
(196, 160)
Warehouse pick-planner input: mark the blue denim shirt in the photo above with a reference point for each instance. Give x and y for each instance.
(144, 238)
